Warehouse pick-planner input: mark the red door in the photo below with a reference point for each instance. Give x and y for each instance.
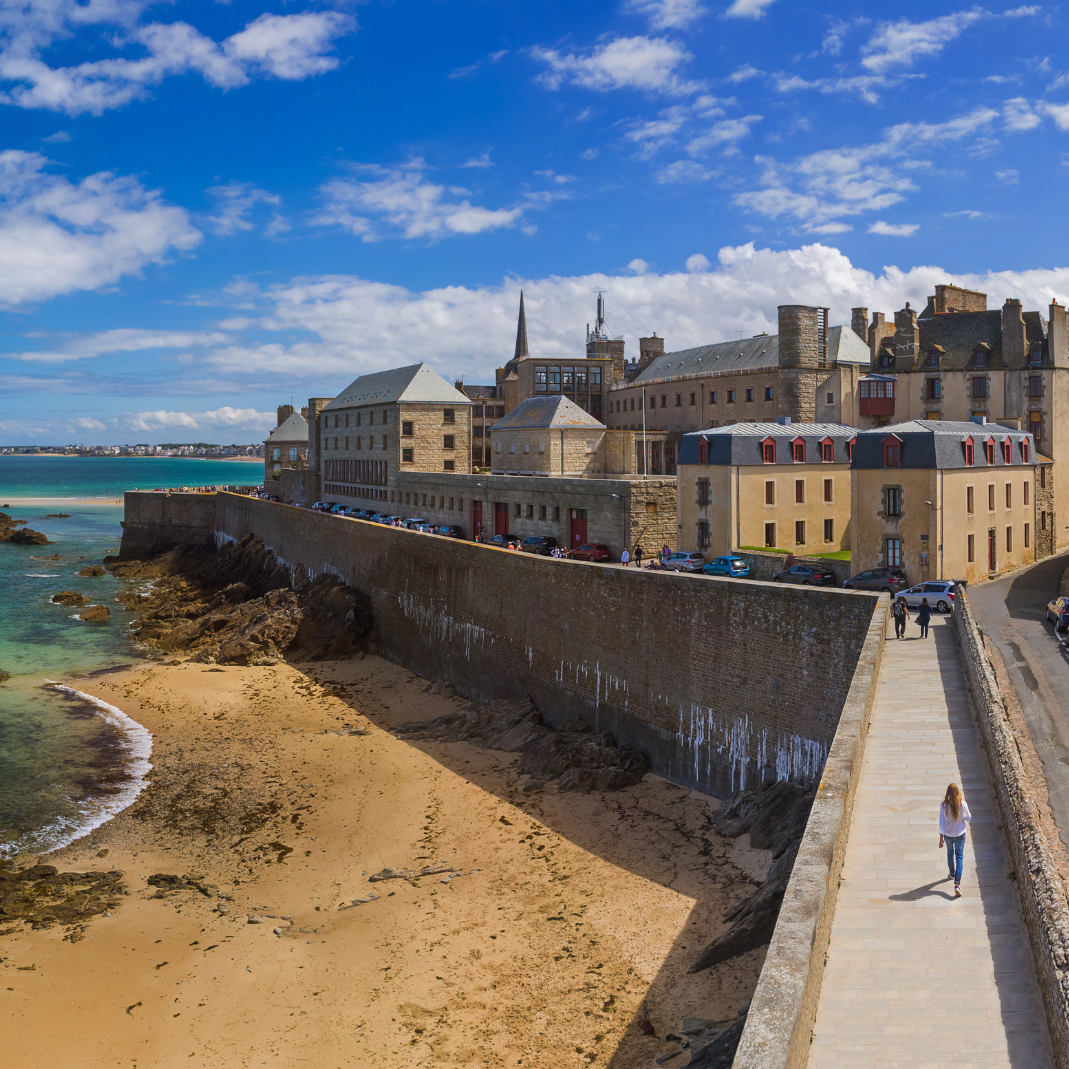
(476, 519)
(578, 528)
(501, 518)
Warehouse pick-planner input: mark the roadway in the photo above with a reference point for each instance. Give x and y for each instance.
(1012, 611)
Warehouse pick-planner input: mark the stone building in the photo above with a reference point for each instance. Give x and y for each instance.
(957, 360)
(407, 419)
(486, 408)
(807, 372)
(772, 485)
(287, 445)
(944, 499)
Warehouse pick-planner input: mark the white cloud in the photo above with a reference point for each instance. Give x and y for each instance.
(479, 162)
(638, 266)
(59, 236)
(225, 418)
(743, 73)
(288, 47)
(73, 347)
(1059, 113)
(830, 228)
(697, 263)
(893, 230)
(652, 134)
(1008, 177)
(235, 201)
(402, 201)
(1018, 115)
(896, 45)
(58, 137)
(493, 57)
(747, 9)
(683, 171)
(725, 132)
(669, 14)
(650, 64)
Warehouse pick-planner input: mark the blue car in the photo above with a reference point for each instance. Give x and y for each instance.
(732, 567)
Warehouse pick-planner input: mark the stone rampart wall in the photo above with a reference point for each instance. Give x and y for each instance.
(721, 683)
(159, 521)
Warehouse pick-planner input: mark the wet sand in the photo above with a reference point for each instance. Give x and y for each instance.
(564, 917)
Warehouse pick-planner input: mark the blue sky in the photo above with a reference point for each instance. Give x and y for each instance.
(207, 209)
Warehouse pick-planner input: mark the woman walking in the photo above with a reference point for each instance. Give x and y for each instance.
(900, 612)
(924, 614)
(953, 816)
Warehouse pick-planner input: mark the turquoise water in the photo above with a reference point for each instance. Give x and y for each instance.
(66, 762)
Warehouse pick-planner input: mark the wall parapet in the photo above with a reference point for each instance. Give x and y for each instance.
(1043, 895)
(784, 1006)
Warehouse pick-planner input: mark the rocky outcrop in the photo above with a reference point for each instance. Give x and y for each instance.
(69, 597)
(23, 537)
(42, 896)
(580, 759)
(95, 614)
(92, 570)
(775, 818)
(237, 606)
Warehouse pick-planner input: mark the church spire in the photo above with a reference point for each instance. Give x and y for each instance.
(521, 334)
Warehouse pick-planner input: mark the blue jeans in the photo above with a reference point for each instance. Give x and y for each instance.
(955, 852)
(924, 628)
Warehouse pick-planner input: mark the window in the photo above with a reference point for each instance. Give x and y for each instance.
(358, 441)
(448, 415)
(703, 451)
(933, 359)
(527, 447)
(712, 397)
(968, 452)
(541, 447)
(556, 512)
(798, 451)
(829, 489)
(498, 445)
(991, 497)
(385, 413)
(530, 512)
(346, 444)
(770, 535)
(799, 532)
(278, 454)
(770, 491)
(653, 402)
(516, 510)
(476, 432)
(989, 452)
(1035, 385)
(1009, 495)
(293, 454)
(448, 441)
(1024, 450)
(692, 399)
(979, 358)
(934, 416)
(541, 512)
(406, 429)
(850, 449)
(1035, 426)
(893, 552)
(554, 380)
(768, 393)
(567, 383)
(1007, 451)
(892, 453)
(703, 535)
(580, 378)
(448, 465)
(827, 451)
(892, 501)
(632, 404)
(932, 390)
(979, 388)
(591, 447)
(371, 419)
(831, 398)
(768, 451)
(972, 548)
(799, 491)
(749, 395)
(1027, 535)
(829, 530)
(679, 400)
(358, 419)
(512, 447)
(595, 377)
(969, 500)
(1024, 492)
(664, 400)
(450, 504)
(1009, 539)
(731, 397)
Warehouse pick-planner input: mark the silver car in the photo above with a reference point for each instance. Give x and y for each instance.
(940, 596)
(684, 562)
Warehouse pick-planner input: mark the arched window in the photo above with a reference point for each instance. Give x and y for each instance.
(989, 451)
(1007, 451)
(798, 450)
(827, 450)
(768, 451)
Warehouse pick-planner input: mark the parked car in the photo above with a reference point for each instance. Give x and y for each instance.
(732, 567)
(805, 575)
(323, 506)
(541, 544)
(593, 551)
(940, 595)
(684, 562)
(891, 580)
(499, 540)
(364, 514)
(415, 524)
(1058, 614)
(450, 530)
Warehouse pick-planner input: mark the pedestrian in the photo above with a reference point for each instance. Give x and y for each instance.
(924, 614)
(625, 558)
(953, 815)
(900, 612)
(638, 556)
(665, 552)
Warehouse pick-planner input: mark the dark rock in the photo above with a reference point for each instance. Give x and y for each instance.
(717, 1050)
(42, 896)
(93, 569)
(26, 537)
(167, 884)
(754, 917)
(775, 816)
(4, 677)
(69, 597)
(95, 614)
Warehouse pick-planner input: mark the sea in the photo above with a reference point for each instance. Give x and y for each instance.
(69, 762)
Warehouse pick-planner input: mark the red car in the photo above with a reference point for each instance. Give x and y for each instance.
(595, 552)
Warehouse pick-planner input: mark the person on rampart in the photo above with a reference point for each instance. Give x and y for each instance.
(953, 816)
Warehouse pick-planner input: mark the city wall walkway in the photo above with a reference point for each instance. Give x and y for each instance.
(914, 976)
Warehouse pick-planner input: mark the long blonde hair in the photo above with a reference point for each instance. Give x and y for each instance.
(952, 801)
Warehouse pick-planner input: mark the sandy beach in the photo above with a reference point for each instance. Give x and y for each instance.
(555, 920)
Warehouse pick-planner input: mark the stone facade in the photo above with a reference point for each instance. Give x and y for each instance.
(287, 445)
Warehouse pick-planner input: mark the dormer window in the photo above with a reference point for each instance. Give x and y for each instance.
(850, 449)
(798, 450)
(885, 361)
(989, 451)
(979, 358)
(933, 359)
(703, 451)
(1024, 450)
(827, 450)
(892, 451)
(768, 451)
(1036, 356)
(1007, 451)
(968, 452)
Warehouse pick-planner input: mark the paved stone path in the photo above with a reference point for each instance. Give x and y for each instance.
(914, 977)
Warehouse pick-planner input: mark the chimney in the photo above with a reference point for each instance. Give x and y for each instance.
(284, 413)
(1057, 342)
(304, 411)
(458, 385)
(1013, 335)
(315, 407)
(859, 323)
(649, 349)
(907, 338)
(876, 335)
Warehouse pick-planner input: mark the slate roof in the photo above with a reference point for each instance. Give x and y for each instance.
(740, 443)
(745, 355)
(477, 393)
(415, 384)
(543, 412)
(293, 429)
(940, 444)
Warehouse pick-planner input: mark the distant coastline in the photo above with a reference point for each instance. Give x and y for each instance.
(89, 456)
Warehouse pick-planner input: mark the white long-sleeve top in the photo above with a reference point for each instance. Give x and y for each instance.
(949, 826)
